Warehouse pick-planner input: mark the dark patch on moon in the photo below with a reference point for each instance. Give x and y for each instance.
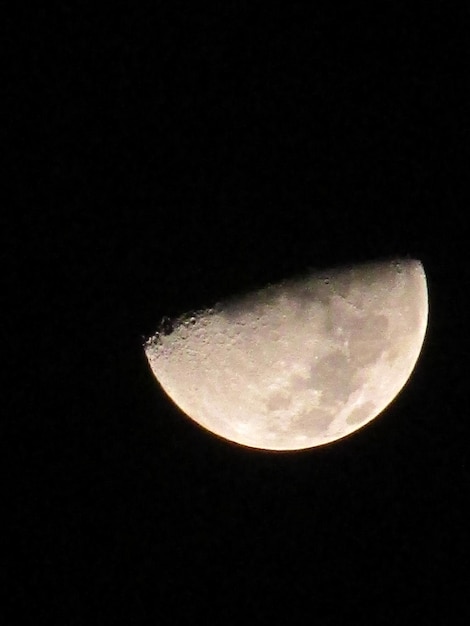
(299, 383)
(314, 422)
(360, 413)
(277, 401)
(366, 341)
(337, 377)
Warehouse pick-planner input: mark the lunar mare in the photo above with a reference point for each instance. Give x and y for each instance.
(300, 363)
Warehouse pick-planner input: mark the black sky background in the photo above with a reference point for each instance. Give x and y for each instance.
(162, 156)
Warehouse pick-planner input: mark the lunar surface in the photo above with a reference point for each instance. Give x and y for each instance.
(301, 363)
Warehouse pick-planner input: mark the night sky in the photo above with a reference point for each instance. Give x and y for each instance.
(161, 157)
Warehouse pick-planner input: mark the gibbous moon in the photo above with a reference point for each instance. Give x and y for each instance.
(301, 363)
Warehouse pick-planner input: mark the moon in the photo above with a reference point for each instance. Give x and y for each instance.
(300, 363)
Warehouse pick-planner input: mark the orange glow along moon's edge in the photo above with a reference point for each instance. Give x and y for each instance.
(301, 363)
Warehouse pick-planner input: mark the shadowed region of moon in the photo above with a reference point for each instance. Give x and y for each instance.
(300, 363)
